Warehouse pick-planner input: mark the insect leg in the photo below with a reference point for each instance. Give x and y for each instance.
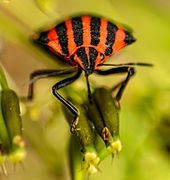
(71, 107)
(46, 73)
(119, 70)
(88, 89)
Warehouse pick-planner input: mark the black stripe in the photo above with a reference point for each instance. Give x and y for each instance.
(81, 53)
(77, 30)
(61, 31)
(93, 53)
(95, 30)
(111, 30)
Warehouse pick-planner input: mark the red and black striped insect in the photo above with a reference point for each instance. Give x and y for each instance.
(84, 42)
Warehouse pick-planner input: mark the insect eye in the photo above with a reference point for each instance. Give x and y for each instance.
(102, 56)
(72, 58)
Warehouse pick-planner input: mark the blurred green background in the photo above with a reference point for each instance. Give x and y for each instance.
(145, 113)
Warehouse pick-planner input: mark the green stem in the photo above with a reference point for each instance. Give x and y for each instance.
(75, 158)
(3, 81)
(103, 154)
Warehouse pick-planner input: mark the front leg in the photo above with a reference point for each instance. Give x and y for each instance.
(71, 107)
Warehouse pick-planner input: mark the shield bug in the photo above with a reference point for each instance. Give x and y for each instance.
(85, 42)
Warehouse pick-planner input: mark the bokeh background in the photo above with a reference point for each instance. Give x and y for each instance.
(145, 113)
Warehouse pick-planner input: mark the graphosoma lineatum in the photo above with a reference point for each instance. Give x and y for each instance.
(85, 42)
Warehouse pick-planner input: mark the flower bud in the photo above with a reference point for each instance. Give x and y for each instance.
(104, 113)
(10, 124)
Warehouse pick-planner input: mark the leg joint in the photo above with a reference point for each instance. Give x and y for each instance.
(131, 71)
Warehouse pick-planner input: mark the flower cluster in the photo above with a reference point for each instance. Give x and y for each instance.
(97, 130)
